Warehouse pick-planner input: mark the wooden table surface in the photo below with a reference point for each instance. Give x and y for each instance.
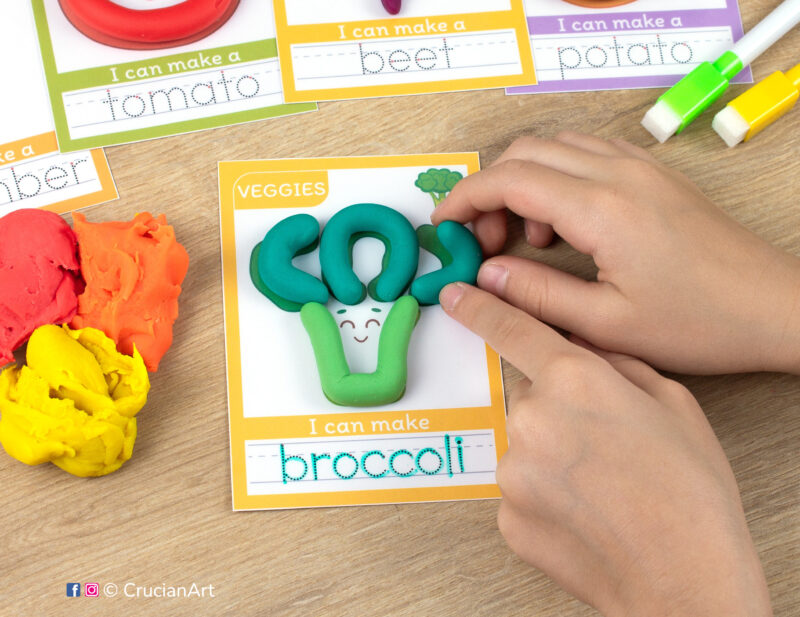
(166, 516)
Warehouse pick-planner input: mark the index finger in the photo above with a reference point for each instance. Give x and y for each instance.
(533, 191)
(521, 339)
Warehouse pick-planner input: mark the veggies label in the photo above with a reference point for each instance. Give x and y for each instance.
(287, 189)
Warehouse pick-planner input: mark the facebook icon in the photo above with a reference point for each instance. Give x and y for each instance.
(73, 590)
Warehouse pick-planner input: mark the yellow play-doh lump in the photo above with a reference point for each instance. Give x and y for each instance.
(74, 403)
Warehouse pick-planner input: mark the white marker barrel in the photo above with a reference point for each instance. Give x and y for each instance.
(767, 32)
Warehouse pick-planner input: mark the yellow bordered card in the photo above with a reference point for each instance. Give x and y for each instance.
(291, 447)
(354, 49)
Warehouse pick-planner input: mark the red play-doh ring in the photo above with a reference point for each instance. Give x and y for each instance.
(115, 25)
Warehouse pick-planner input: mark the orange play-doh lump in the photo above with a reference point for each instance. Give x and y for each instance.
(133, 272)
(74, 403)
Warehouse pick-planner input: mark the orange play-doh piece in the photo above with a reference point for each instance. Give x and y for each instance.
(133, 272)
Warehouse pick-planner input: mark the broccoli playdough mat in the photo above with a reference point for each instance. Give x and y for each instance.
(353, 49)
(292, 447)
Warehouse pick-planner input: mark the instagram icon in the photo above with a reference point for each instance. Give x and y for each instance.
(91, 590)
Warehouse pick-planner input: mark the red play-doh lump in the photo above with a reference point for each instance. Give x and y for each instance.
(39, 276)
(133, 272)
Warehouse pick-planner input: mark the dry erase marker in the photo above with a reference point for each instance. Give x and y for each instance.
(681, 104)
(393, 6)
(750, 113)
(147, 24)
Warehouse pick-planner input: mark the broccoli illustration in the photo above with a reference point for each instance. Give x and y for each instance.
(437, 182)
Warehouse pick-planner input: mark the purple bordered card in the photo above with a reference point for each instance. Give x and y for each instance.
(635, 45)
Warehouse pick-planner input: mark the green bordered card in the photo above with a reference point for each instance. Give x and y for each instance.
(103, 95)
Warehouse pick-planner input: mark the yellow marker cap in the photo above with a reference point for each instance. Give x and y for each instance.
(768, 100)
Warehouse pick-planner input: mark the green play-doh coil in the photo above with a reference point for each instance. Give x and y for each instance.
(387, 384)
(271, 268)
(460, 254)
(335, 252)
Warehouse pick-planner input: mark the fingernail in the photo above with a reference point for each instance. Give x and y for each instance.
(450, 295)
(492, 277)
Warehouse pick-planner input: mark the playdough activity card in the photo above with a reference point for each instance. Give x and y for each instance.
(33, 173)
(346, 383)
(353, 49)
(637, 44)
(122, 90)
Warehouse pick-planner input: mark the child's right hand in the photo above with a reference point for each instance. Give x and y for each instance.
(680, 284)
(614, 483)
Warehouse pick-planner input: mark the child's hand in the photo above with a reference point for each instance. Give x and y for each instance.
(614, 484)
(680, 284)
